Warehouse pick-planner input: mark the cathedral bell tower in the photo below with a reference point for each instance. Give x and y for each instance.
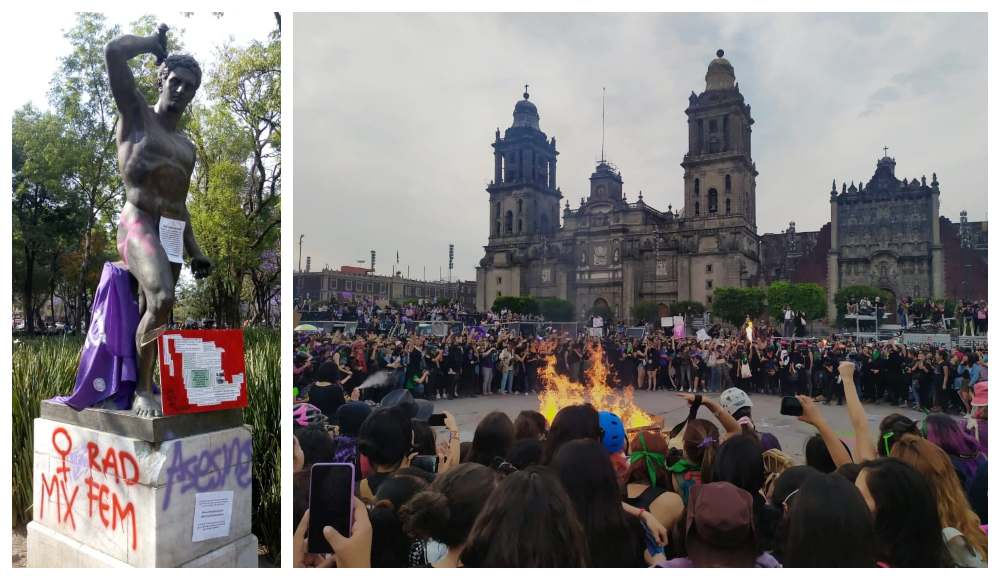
(524, 205)
(719, 173)
(524, 197)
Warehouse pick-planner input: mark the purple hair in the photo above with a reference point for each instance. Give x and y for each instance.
(960, 445)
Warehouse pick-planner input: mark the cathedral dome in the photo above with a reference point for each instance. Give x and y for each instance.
(525, 113)
(720, 75)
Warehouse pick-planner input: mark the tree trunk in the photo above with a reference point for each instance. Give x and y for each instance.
(29, 290)
(83, 311)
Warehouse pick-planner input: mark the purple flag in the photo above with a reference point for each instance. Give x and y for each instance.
(108, 362)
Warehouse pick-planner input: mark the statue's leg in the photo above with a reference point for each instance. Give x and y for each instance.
(157, 277)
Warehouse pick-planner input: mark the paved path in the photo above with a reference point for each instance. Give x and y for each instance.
(790, 431)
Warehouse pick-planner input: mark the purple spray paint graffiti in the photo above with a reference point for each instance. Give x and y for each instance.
(210, 469)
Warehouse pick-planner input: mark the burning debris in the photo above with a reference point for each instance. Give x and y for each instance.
(561, 392)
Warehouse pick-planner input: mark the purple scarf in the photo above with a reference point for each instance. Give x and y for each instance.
(108, 361)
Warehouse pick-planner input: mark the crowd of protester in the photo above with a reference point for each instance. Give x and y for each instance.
(480, 363)
(583, 491)
(970, 317)
(383, 316)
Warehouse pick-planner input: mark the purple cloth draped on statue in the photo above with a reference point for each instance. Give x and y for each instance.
(107, 372)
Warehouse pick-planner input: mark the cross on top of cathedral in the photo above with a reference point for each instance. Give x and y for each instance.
(885, 150)
(525, 92)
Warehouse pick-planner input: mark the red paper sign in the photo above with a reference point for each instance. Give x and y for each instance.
(202, 370)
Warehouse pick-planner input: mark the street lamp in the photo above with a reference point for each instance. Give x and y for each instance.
(300, 251)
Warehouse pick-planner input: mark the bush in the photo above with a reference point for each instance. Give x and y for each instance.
(808, 298)
(556, 309)
(734, 304)
(46, 367)
(515, 304)
(646, 311)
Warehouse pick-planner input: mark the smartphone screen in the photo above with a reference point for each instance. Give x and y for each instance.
(331, 503)
(428, 463)
(791, 406)
(436, 420)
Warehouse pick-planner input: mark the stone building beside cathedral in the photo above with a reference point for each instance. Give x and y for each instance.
(889, 234)
(612, 252)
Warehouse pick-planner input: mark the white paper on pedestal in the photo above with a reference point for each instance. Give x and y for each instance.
(172, 239)
(213, 513)
(204, 378)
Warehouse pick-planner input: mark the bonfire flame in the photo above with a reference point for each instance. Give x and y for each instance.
(561, 392)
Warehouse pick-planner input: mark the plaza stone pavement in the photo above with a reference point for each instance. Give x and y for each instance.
(791, 433)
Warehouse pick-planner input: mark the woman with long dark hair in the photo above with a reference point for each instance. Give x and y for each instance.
(572, 422)
(740, 461)
(907, 525)
(828, 525)
(528, 522)
(585, 470)
(493, 438)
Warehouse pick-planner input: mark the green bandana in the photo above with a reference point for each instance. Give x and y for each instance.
(652, 460)
(683, 466)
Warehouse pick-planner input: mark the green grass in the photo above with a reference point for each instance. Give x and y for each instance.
(45, 367)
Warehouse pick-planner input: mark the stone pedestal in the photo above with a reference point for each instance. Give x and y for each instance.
(111, 489)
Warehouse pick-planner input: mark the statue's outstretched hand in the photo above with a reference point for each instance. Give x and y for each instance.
(201, 267)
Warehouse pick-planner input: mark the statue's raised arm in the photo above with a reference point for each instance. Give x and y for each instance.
(117, 54)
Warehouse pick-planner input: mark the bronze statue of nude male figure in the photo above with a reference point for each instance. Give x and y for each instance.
(156, 161)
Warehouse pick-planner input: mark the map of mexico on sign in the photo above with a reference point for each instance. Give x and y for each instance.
(202, 370)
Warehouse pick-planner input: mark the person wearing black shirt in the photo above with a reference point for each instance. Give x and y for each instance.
(438, 369)
(456, 362)
(794, 383)
(326, 393)
(894, 379)
(923, 375)
(830, 380)
(531, 362)
(943, 374)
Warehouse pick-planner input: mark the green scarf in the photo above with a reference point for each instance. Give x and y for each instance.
(683, 466)
(652, 460)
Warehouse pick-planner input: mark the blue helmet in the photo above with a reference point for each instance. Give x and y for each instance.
(614, 432)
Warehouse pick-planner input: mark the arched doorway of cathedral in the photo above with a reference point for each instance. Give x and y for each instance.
(890, 303)
(603, 309)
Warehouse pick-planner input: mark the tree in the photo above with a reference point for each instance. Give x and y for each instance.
(45, 219)
(555, 309)
(734, 304)
(235, 202)
(516, 304)
(646, 311)
(808, 298)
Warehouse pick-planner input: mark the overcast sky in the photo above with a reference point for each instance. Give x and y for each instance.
(394, 115)
(202, 33)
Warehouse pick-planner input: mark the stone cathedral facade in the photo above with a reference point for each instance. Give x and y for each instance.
(886, 234)
(613, 252)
